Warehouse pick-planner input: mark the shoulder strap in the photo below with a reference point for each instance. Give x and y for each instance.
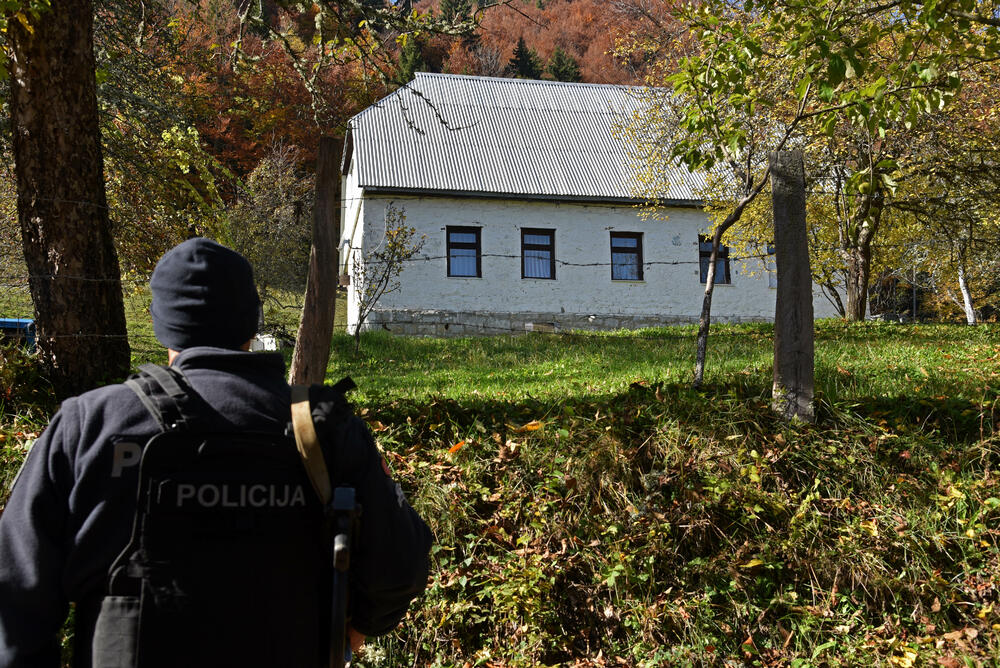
(307, 442)
(164, 393)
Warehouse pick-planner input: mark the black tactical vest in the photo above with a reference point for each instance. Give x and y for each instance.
(229, 561)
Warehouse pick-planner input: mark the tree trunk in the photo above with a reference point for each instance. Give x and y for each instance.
(73, 270)
(859, 264)
(312, 344)
(963, 285)
(792, 393)
(834, 297)
(705, 320)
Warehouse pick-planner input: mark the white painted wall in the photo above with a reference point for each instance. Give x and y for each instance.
(671, 285)
(351, 235)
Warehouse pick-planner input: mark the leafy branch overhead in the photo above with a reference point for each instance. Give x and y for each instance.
(365, 34)
(813, 62)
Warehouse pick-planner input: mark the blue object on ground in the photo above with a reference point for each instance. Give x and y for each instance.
(19, 328)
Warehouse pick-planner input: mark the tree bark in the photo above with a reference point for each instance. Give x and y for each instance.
(834, 297)
(312, 344)
(963, 285)
(705, 319)
(792, 394)
(857, 253)
(73, 269)
(859, 264)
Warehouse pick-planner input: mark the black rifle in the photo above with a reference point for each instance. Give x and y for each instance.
(345, 513)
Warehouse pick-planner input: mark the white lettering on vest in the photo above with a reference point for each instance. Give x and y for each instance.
(258, 500)
(126, 455)
(208, 496)
(184, 492)
(241, 496)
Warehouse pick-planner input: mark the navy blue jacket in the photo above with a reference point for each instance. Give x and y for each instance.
(71, 509)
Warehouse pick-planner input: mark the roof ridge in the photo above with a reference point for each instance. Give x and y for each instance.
(518, 81)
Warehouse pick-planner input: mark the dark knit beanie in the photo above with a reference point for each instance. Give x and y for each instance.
(203, 295)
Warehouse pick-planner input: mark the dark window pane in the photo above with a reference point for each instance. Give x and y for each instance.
(626, 256)
(720, 271)
(462, 237)
(624, 242)
(538, 239)
(463, 262)
(624, 267)
(537, 264)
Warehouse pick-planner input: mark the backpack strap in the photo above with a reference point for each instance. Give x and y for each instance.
(166, 395)
(307, 443)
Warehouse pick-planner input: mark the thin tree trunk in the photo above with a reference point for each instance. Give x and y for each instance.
(312, 344)
(834, 297)
(74, 276)
(705, 320)
(963, 285)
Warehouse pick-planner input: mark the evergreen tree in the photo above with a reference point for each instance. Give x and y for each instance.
(563, 67)
(411, 60)
(455, 10)
(524, 64)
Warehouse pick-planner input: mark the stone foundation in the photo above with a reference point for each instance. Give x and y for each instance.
(485, 323)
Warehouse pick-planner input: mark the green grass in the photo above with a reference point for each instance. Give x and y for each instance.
(587, 503)
(590, 508)
(865, 360)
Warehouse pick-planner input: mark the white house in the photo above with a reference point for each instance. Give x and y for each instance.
(524, 195)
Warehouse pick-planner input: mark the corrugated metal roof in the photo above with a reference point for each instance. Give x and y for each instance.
(469, 135)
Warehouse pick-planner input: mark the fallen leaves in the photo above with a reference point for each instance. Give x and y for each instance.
(534, 425)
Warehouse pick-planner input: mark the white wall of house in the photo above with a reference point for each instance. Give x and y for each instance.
(582, 292)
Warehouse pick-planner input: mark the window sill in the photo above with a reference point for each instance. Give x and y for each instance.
(474, 278)
(626, 280)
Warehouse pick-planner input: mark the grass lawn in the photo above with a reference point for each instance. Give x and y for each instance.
(591, 509)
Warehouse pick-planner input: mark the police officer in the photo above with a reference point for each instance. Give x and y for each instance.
(71, 509)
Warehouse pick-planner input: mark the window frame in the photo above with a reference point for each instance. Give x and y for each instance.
(637, 251)
(550, 247)
(706, 255)
(477, 246)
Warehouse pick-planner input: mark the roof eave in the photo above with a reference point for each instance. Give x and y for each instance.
(579, 199)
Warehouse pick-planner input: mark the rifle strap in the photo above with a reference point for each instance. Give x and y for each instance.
(307, 443)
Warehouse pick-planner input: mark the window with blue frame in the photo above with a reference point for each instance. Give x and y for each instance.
(626, 256)
(465, 251)
(538, 253)
(722, 272)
